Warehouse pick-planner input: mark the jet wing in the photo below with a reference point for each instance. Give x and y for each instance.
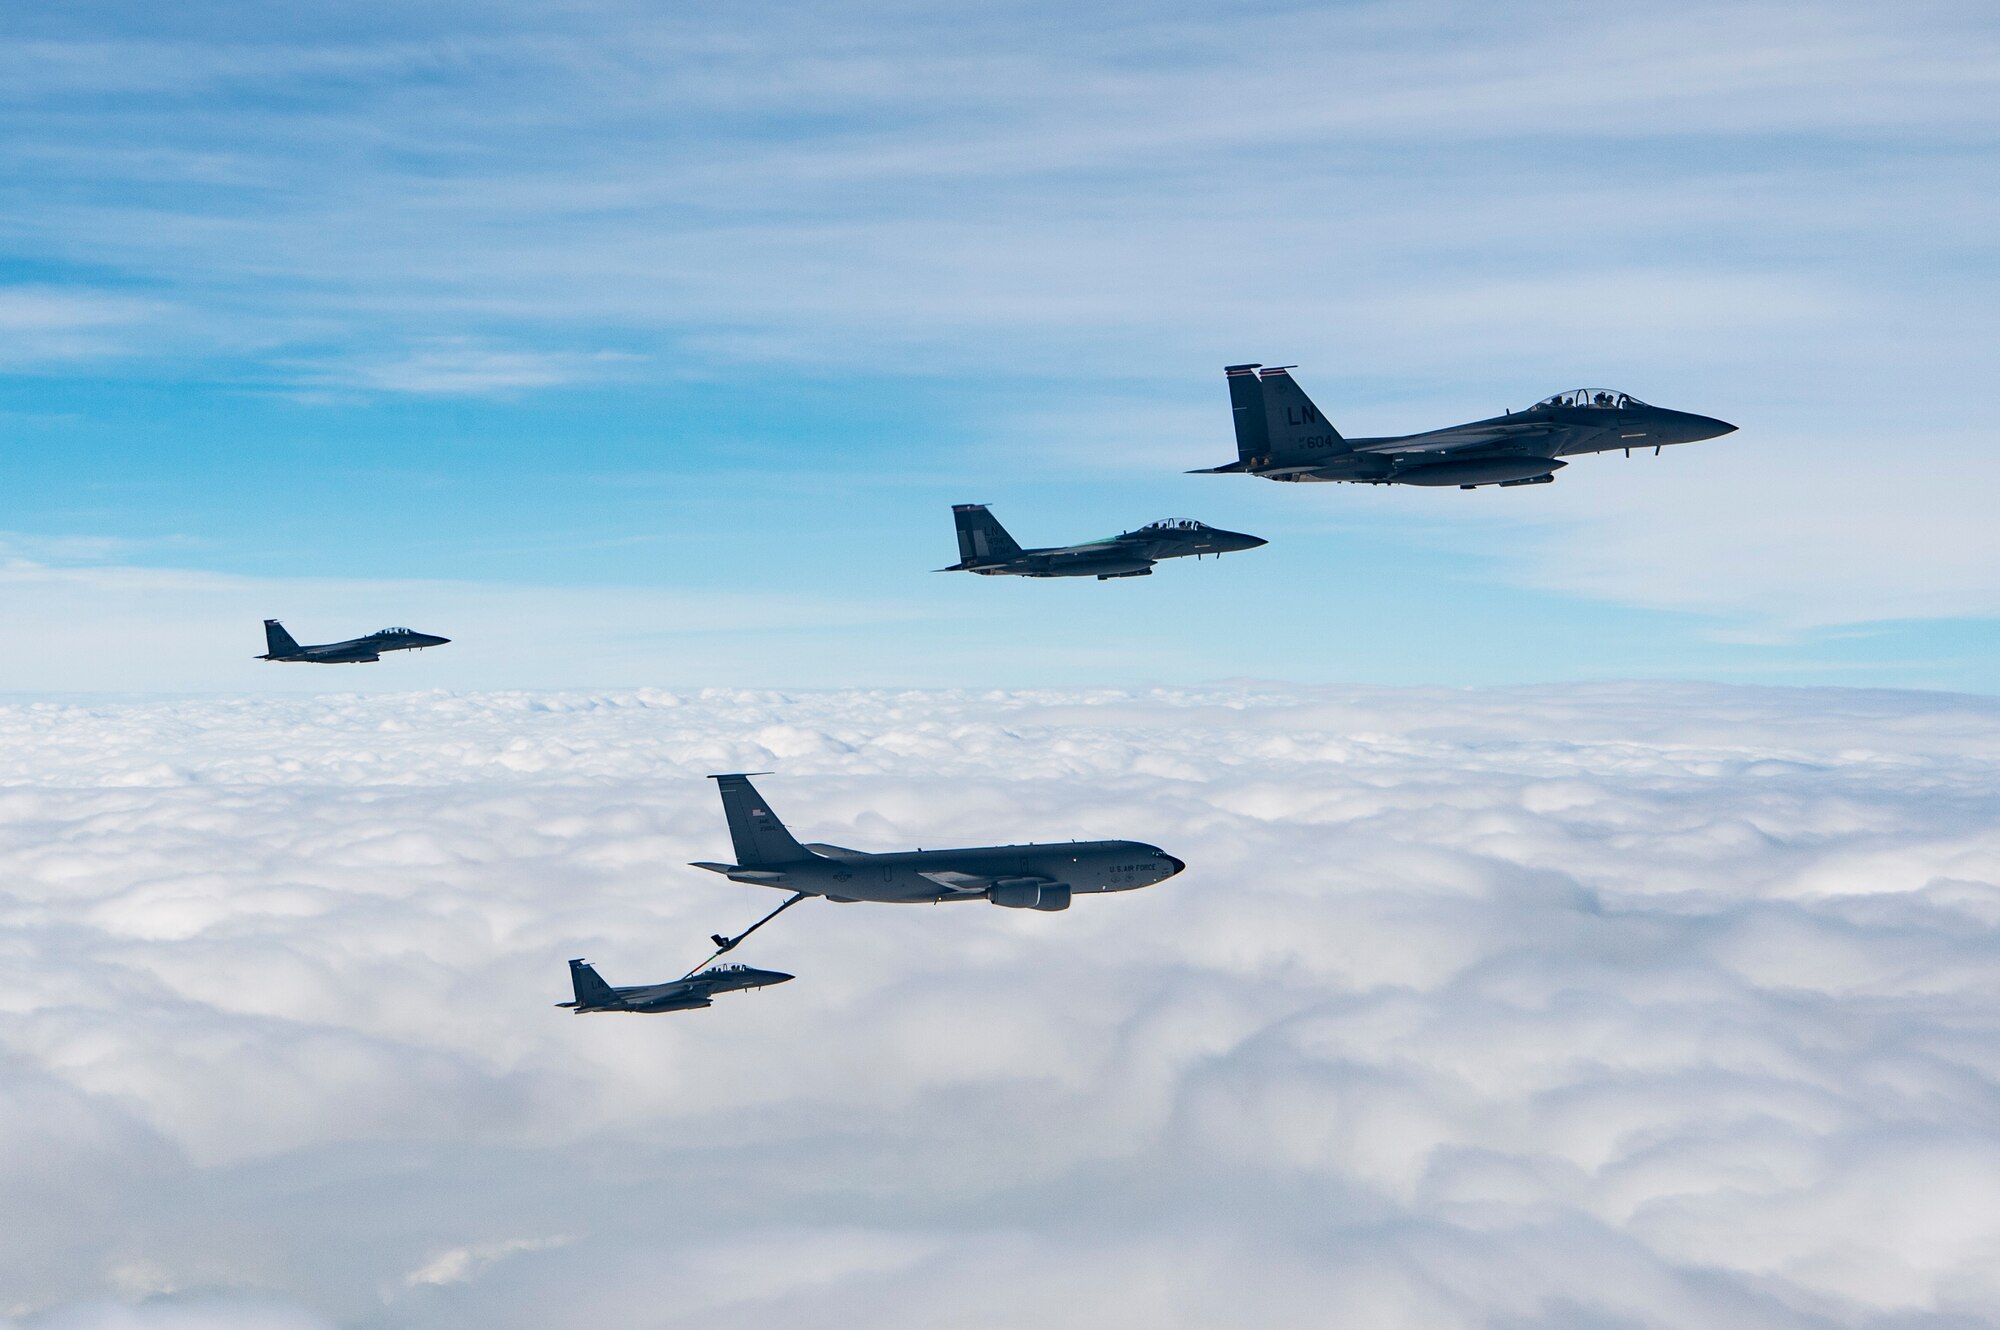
(675, 995)
(1095, 549)
(671, 1004)
(1459, 438)
(974, 883)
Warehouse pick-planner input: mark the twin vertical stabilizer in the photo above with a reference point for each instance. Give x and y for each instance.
(1276, 423)
(277, 641)
(981, 538)
(590, 989)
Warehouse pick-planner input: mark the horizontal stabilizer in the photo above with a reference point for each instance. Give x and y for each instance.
(738, 873)
(1298, 470)
(835, 851)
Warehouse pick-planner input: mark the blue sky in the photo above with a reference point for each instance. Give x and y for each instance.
(628, 348)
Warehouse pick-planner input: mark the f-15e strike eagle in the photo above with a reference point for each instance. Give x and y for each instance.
(1281, 435)
(355, 651)
(984, 547)
(1022, 877)
(689, 994)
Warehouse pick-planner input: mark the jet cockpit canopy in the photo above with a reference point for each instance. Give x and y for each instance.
(1172, 524)
(1609, 399)
(395, 632)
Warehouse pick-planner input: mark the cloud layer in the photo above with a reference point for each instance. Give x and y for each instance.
(1609, 1006)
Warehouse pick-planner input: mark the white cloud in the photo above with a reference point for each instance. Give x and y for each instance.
(1778, 529)
(42, 326)
(457, 366)
(211, 1313)
(1612, 1005)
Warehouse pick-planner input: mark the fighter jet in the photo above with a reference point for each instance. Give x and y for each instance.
(1021, 877)
(689, 994)
(984, 547)
(1281, 435)
(355, 651)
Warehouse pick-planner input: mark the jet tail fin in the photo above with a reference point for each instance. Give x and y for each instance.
(1246, 406)
(981, 538)
(759, 837)
(590, 990)
(1277, 425)
(1295, 430)
(277, 641)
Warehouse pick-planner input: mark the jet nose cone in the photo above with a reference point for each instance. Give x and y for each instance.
(1695, 428)
(775, 976)
(430, 641)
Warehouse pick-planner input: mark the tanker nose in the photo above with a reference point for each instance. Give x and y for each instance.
(1178, 865)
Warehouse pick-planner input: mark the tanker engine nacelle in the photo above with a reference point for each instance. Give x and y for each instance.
(1029, 894)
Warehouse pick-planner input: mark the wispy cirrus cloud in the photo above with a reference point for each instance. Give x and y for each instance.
(44, 327)
(457, 366)
(867, 187)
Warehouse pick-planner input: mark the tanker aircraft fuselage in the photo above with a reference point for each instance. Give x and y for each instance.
(1035, 876)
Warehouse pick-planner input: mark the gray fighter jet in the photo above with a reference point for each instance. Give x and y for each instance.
(689, 994)
(985, 547)
(1022, 877)
(355, 651)
(1281, 435)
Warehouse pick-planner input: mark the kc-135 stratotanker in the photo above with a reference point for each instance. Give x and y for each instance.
(355, 651)
(1281, 435)
(1022, 877)
(984, 547)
